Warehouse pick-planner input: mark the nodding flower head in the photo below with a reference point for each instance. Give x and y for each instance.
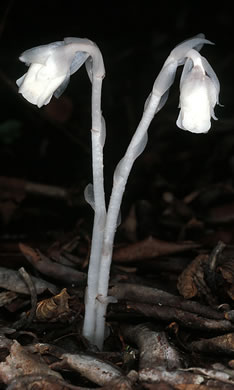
(199, 93)
(176, 58)
(50, 67)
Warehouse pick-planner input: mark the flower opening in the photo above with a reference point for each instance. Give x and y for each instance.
(199, 90)
(50, 67)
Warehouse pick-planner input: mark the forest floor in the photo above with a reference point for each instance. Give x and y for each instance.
(173, 262)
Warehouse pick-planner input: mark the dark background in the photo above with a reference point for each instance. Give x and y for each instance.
(52, 145)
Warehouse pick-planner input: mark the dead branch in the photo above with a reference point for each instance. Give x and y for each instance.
(169, 314)
(27, 319)
(96, 370)
(223, 344)
(150, 248)
(149, 295)
(47, 267)
(11, 280)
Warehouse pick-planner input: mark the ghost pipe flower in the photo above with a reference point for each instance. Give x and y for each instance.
(50, 69)
(199, 93)
(49, 73)
(153, 104)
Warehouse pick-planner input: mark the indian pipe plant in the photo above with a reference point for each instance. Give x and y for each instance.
(50, 68)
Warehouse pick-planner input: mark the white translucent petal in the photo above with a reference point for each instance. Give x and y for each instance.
(83, 41)
(78, 61)
(20, 81)
(186, 69)
(49, 89)
(39, 54)
(59, 62)
(179, 52)
(195, 102)
(211, 73)
(200, 45)
(194, 121)
(38, 85)
(62, 87)
(179, 122)
(212, 94)
(192, 124)
(89, 195)
(29, 88)
(44, 101)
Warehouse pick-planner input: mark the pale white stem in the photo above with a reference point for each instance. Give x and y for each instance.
(99, 209)
(119, 184)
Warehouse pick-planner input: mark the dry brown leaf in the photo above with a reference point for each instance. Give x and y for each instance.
(55, 308)
(187, 282)
(227, 271)
(6, 297)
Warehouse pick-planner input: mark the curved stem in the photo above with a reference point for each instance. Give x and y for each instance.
(113, 212)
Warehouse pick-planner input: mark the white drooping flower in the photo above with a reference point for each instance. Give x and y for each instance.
(176, 58)
(50, 67)
(199, 93)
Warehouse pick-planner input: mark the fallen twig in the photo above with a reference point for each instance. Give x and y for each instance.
(91, 367)
(169, 314)
(150, 295)
(11, 280)
(27, 319)
(50, 268)
(150, 248)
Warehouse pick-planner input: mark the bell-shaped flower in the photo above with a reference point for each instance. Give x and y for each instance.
(176, 58)
(50, 67)
(199, 93)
